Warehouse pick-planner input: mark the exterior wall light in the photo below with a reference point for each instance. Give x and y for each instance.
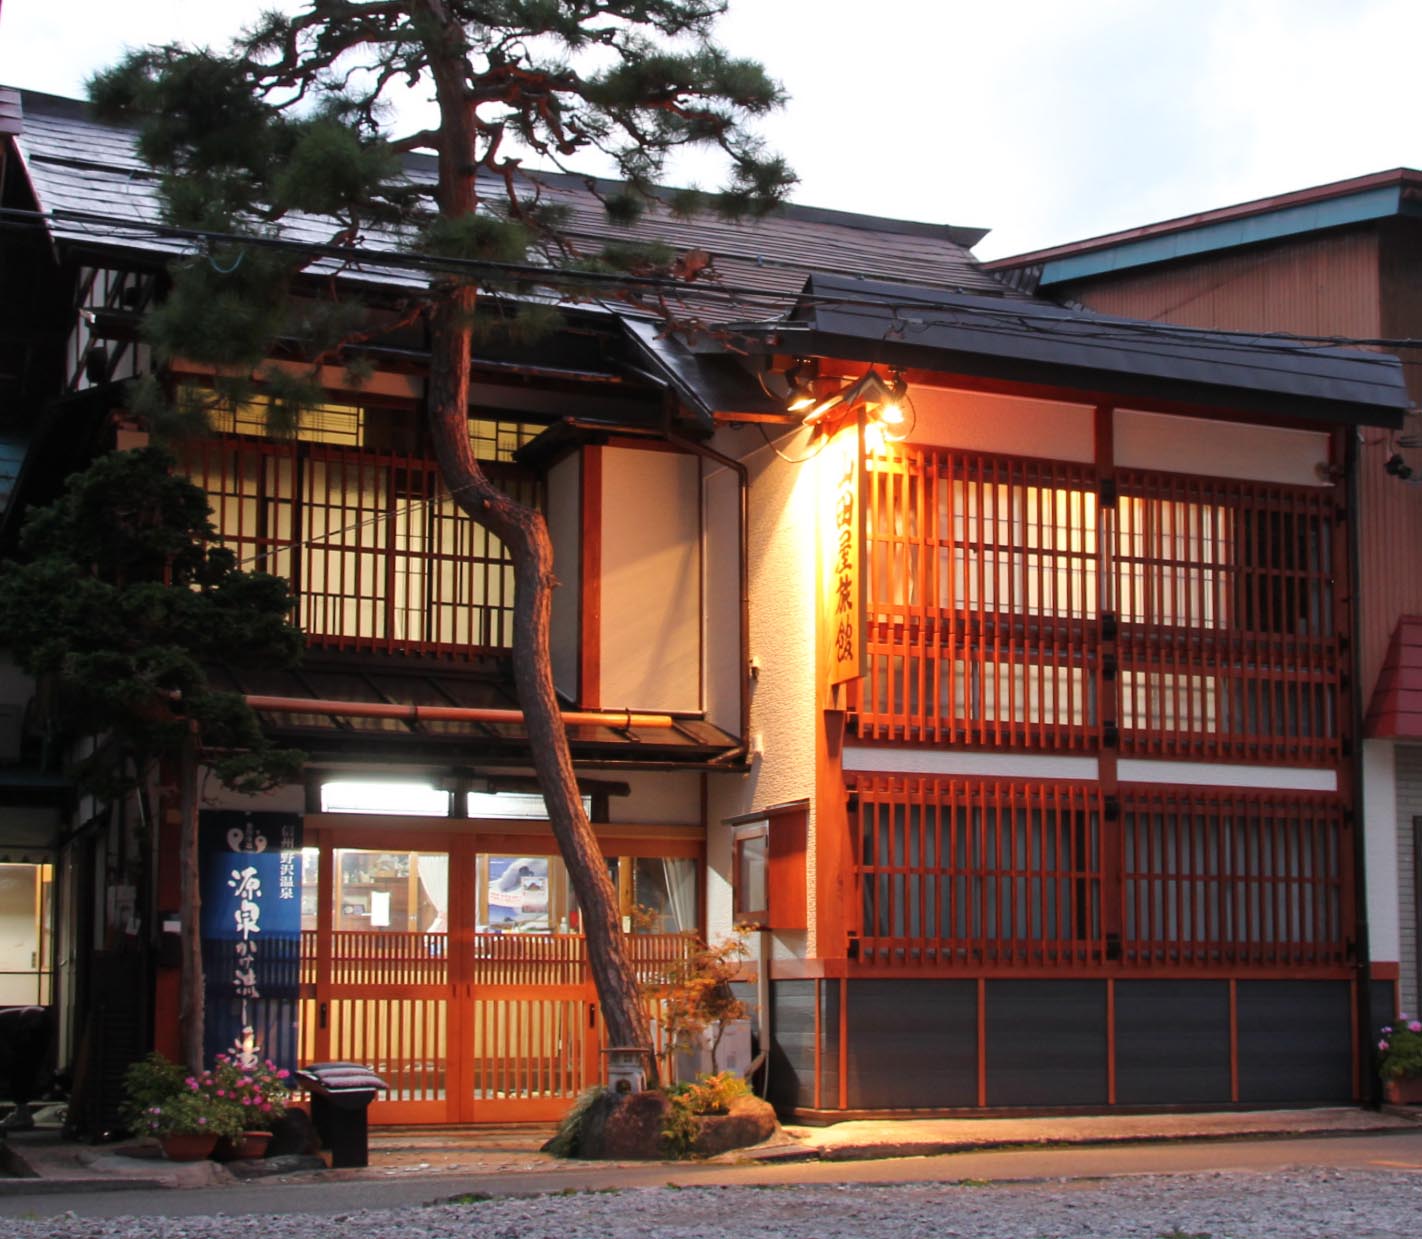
(890, 413)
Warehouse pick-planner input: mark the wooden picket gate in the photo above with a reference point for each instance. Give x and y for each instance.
(465, 1026)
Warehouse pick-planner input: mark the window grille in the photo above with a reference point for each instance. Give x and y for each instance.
(999, 875)
(994, 584)
(378, 555)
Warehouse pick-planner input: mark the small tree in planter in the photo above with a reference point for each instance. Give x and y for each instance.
(697, 997)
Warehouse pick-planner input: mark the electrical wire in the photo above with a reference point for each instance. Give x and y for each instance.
(1004, 316)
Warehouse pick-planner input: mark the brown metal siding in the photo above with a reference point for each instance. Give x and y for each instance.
(1326, 285)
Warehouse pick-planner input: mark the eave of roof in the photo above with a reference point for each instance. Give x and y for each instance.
(1358, 200)
(1395, 710)
(690, 743)
(1042, 344)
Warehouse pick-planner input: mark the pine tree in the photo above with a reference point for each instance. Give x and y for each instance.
(292, 121)
(122, 600)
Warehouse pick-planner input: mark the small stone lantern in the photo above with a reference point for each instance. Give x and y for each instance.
(626, 1068)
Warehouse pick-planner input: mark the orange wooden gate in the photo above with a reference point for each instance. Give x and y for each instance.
(464, 1024)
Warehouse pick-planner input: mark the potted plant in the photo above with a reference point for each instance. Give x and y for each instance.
(1400, 1060)
(259, 1091)
(189, 1124)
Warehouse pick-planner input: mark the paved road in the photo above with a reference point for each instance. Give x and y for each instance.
(1397, 1152)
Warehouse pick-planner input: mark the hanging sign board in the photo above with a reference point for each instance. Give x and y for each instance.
(841, 548)
(251, 933)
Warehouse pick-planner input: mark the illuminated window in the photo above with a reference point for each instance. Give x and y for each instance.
(322, 423)
(415, 799)
(495, 440)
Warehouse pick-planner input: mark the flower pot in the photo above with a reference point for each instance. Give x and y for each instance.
(1403, 1091)
(250, 1144)
(187, 1146)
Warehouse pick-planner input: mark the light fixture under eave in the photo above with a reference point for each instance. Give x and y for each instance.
(887, 401)
(801, 386)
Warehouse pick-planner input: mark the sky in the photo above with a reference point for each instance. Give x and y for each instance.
(1044, 121)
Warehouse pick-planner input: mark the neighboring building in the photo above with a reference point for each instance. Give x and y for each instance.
(1336, 261)
(1039, 780)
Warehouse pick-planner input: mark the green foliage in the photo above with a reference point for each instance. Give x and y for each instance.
(1400, 1049)
(711, 1094)
(292, 119)
(566, 1141)
(122, 602)
(480, 237)
(257, 1088)
(149, 1082)
(162, 1099)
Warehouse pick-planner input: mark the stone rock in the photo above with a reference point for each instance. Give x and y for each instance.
(624, 1127)
(750, 1121)
(293, 1133)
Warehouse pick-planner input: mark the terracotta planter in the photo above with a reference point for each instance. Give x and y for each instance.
(250, 1144)
(187, 1146)
(1404, 1091)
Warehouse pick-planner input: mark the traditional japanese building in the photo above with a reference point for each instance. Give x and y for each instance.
(1005, 683)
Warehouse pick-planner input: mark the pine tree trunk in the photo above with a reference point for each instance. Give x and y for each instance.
(524, 532)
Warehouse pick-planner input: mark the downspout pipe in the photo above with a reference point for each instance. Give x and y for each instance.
(1363, 962)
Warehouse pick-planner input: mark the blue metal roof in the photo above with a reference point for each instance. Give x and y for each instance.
(1377, 203)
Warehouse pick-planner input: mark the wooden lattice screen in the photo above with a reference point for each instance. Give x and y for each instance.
(1001, 876)
(1006, 603)
(378, 555)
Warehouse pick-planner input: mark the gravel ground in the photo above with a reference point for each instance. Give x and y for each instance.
(1221, 1205)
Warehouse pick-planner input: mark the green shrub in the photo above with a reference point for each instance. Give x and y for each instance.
(689, 1102)
(1400, 1049)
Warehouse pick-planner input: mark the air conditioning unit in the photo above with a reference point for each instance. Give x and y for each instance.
(733, 1054)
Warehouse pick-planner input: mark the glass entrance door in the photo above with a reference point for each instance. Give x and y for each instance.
(385, 989)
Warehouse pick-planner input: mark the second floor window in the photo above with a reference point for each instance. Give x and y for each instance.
(378, 554)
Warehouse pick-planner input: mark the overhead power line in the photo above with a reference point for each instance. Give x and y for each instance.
(909, 314)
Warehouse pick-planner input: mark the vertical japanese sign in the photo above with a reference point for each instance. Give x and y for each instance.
(251, 933)
(841, 541)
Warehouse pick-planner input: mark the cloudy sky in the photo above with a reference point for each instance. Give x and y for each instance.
(1045, 121)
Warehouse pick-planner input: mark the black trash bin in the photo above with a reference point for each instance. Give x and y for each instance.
(340, 1095)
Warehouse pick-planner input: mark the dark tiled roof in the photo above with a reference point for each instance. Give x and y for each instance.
(77, 164)
(1036, 342)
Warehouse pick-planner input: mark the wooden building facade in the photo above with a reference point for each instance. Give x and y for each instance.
(1024, 735)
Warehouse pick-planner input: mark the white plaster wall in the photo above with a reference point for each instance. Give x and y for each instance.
(725, 660)
(981, 422)
(290, 798)
(782, 524)
(651, 581)
(1219, 449)
(658, 799)
(1381, 875)
(1407, 763)
(565, 505)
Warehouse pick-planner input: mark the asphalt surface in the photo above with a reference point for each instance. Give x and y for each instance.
(1399, 1152)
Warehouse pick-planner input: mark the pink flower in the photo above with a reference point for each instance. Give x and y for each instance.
(1414, 1026)
(1382, 1045)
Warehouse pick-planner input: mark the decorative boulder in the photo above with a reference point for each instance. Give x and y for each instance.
(749, 1122)
(624, 1127)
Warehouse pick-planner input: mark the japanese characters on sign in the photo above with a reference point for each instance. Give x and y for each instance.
(841, 529)
(251, 927)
